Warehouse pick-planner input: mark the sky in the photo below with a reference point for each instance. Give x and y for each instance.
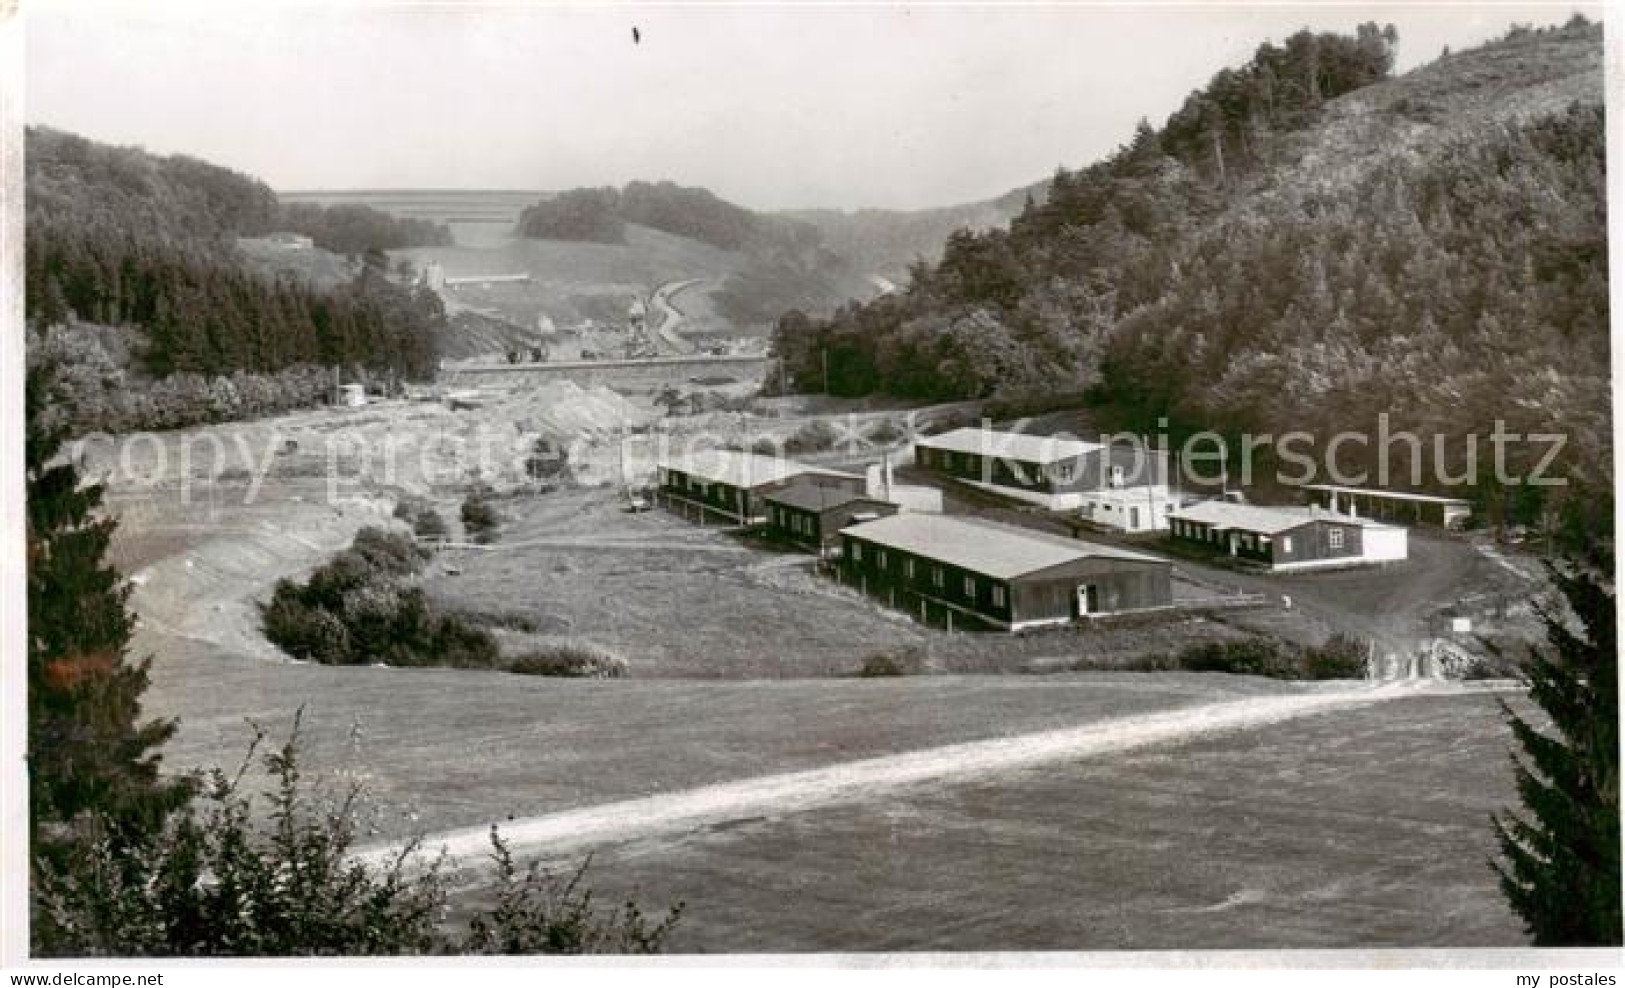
(772, 107)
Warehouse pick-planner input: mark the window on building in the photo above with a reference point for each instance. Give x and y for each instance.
(1334, 538)
(936, 576)
(1286, 544)
(1117, 476)
(1063, 472)
(908, 568)
(857, 552)
(970, 587)
(880, 559)
(998, 596)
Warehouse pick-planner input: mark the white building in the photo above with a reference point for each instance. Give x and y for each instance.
(1129, 509)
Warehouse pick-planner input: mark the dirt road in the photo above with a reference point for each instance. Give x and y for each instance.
(670, 316)
(675, 813)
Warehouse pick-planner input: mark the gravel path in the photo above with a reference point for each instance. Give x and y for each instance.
(675, 813)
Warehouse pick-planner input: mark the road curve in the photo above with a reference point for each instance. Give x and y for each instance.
(670, 316)
(675, 813)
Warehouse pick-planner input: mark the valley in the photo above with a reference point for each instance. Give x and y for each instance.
(869, 580)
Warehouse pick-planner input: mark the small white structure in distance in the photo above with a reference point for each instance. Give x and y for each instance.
(352, 395)
(1129, 509)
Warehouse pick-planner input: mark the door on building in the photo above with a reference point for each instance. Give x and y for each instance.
(1134, 519)
(1088, 599)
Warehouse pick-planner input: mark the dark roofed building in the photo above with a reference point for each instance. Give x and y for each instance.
(1053, 471)
(1288, 538)
(808, 513)
(943, 566)
(731, 483)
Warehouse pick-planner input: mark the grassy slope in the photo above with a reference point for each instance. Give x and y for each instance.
(572, 282)
(320, 268)
(1423, 111)
(1364, 829)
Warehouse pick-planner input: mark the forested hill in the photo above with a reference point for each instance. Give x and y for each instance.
(120, 239)
(888, 242)
(785, 262)
(85, 185)
(1303, 244)
(601, 216)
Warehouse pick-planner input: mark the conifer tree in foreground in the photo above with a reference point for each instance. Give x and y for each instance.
(1561, 862)
(88, 749)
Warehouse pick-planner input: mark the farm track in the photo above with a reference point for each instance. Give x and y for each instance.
(677, 813)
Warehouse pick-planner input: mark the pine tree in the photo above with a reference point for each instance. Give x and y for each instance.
(1561, 867)
(87, 749)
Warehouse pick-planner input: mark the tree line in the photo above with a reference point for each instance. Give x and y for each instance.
(84, 184)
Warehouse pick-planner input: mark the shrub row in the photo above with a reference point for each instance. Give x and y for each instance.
(1339, 657)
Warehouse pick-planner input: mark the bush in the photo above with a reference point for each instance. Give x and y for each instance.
(304, 632)
(878, 665)
(1339, 657)
(885, 432)
(359, 609)
(216, 882)
(426, 522)
(1255, 656)
(456, 644)
(537, 914)
(394, 553)
(902, 662)
(573, 660)
(479, 518)
(430, 525)
(814, 437)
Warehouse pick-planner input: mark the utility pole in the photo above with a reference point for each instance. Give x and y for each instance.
(823, 353)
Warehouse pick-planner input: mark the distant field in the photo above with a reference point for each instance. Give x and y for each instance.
(1360, 829)
(572, 282)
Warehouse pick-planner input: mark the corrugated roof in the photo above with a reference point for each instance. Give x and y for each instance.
(986, 547)
(740, 469)
(1261, 519)
(1010, 445)
(816, 497)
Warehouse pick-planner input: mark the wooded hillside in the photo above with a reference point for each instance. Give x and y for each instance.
(119, 238)
(1305, 243)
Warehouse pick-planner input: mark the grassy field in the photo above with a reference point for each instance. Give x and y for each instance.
(673, 598)
(1360, 829)
(577, 567)
(573, 281)
(438, 749)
